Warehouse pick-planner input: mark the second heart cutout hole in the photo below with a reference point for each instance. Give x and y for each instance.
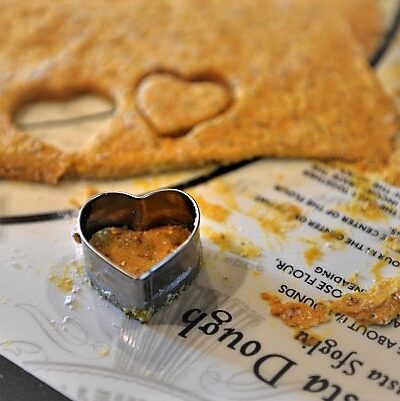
(69, 124)
(173, 105)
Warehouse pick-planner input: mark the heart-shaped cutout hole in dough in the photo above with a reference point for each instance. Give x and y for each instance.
(173, 105)
(69, 124)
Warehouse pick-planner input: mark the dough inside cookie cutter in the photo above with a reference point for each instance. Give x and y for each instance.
(141, 296)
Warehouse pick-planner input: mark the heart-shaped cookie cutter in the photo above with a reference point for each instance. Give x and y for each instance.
(141, 296)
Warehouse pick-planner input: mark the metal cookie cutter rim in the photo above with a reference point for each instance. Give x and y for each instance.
(141, 295)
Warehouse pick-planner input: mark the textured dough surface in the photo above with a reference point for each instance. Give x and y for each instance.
(365, 18)
(297, 77)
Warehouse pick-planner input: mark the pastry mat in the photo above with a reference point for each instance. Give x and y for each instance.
(88, 350)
